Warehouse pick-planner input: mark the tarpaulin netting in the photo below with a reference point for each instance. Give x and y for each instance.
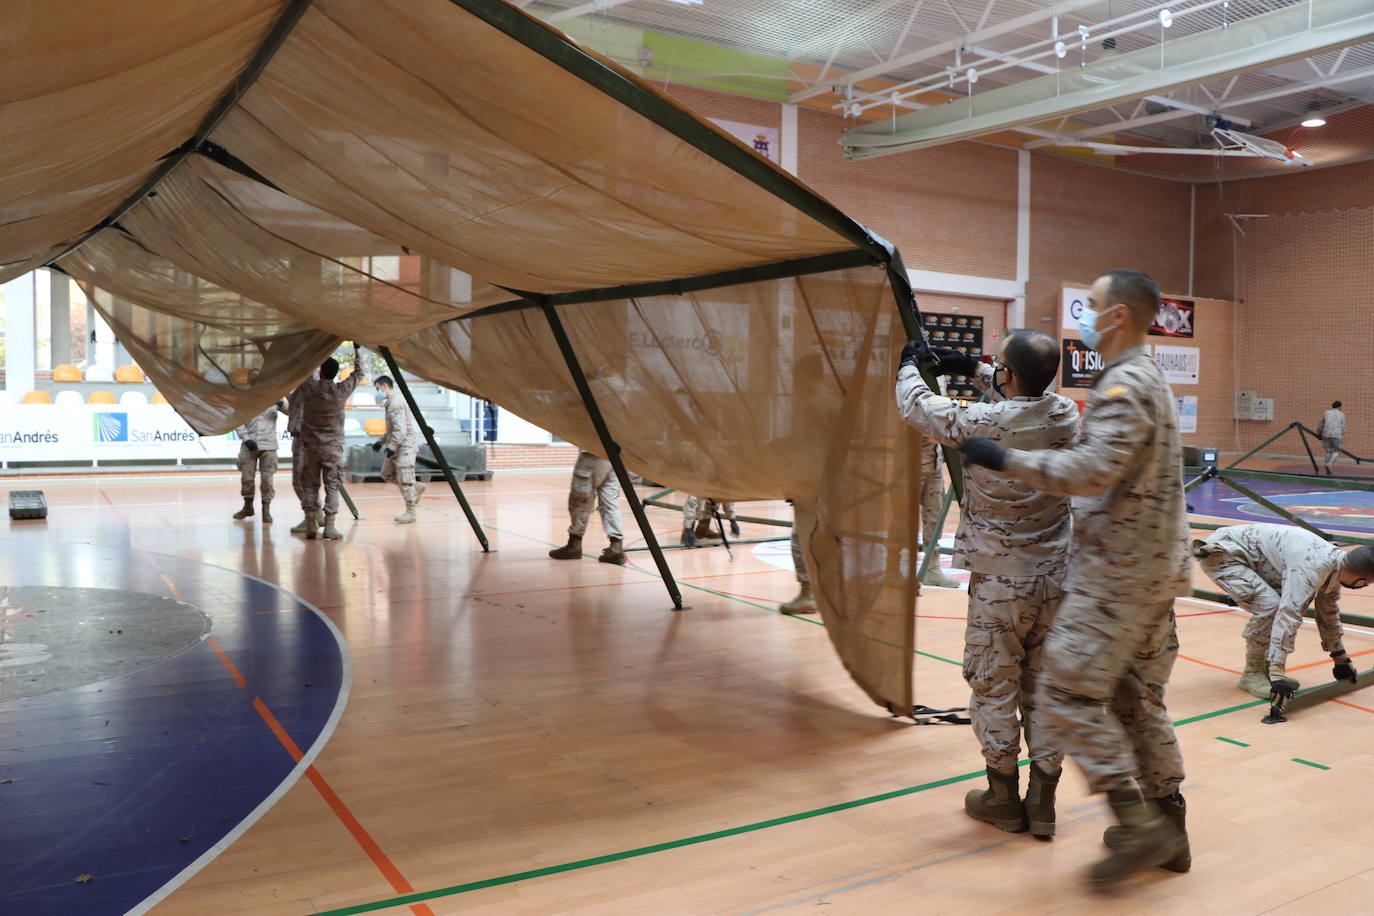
(390, 163)
(780, 388)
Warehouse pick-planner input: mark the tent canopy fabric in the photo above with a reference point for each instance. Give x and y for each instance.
(434, 175)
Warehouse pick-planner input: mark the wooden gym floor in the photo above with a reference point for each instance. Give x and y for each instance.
(529, 736)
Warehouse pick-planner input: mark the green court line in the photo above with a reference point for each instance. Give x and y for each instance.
(643, 850)
(1232, 741)
(1220, 712)
(1310, 763)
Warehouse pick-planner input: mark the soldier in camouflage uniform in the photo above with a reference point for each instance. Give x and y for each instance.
(1331, 430)
(593, 482)
(1112, 646)
(805, 602)
(699, 515)
(322, 439)
(932, 501)
(258, 453)
(1274, 571)
(293, 429)
(1014, 541)
(400, 446)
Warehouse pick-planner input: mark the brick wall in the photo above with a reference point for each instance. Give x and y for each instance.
(530, 457)
(1300, 277)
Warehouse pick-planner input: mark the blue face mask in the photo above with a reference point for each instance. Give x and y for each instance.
(1087, 328)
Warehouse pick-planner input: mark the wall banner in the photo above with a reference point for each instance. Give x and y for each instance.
(1079, 366)
(1187, 413)
(1075, 304)
(1180, 364)
(109, 432)
(1174, 318)
(764, 140)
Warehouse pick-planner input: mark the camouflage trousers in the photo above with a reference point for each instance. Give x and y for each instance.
(297, 459)
(699, 508)
(594, 483)
(263, 463)
(799, 561)
(320, 469)
(1269, 626)
(1104, 669)
(399, 469)
(1332, 446)
(932, 494)
(1008, 617)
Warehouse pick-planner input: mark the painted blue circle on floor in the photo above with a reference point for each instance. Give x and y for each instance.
(140, 777)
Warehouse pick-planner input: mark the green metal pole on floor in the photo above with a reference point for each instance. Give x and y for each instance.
(612, 450)
(348, 501)
(434, 448)
(1273, 507)
(1302, 434)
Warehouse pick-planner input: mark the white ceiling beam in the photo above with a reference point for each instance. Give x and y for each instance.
(1257, 98)
(572, 12)
(1285, 34)
(987, 12)
(950, 46)
(906, 30)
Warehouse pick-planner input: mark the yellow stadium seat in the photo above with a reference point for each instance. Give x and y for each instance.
(375, 427)
(158, 398)
(241, 377)
(129, 373)
(101, 397)
(344, 373)
(37, 397)
(66, 373)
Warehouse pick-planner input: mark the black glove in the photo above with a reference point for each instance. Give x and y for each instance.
(1280, 691)
(952, 362)
(377, 446)
(390, 452)
(984, 452)
(916, 352)
(1344, 671)
(250, 445)
(734, 528)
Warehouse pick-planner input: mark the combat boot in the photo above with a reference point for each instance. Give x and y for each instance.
(306, 526)
(313, 521)
(614, 553)
(1176, 810)
(688, 539)
(420, 490)
(246, 511)
(1255, 679)
(1276, 673)
(1147, 839)
(407, 517)
(705, 531)
(804, 603)
(330, 533)
(569, 551)
(1040, 801)
(936, 577)
(999, 804)
(267, 511)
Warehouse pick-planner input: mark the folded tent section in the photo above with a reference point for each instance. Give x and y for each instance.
(438, 175)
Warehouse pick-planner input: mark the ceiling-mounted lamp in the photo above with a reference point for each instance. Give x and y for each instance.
(1314, 122)
(1166, 18)
(688, 2)
(1314, 118)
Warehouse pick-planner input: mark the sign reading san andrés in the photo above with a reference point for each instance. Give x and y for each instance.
(89, 432)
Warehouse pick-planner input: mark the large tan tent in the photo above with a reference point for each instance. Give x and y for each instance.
(244, 183)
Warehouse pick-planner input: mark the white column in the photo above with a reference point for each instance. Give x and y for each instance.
(59, 305)
(788, 137)
(1016, 307)
(19, 355)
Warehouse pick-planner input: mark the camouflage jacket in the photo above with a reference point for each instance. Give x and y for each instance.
(261, 430)
(1130, 535)
(1006, 528)
(322, 410)
(1297, 564)
(400, 425)
(1332, 425)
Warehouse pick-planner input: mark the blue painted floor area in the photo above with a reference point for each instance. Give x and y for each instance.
(1346, 510)
(131, 779)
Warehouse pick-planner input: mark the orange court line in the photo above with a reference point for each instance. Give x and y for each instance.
(1199, 661)
(1326, 661)
(228, 663)
(172, 587)
(752, 572)
(1353, 705)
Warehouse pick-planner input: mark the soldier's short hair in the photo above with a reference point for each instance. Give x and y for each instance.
(1360, 561)
(1034, 357)
(1137, 291)
(329, 368)
(382, 380)
(1336, 404)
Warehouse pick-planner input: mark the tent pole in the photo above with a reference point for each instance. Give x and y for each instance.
(348, 501)
(434, 448)
(611, 450)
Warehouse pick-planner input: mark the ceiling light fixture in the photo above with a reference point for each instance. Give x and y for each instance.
(688, 2)
(1166, 18)
(1314, 122)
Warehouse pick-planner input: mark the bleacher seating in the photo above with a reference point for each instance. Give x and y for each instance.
(101, 397)
(158, 398)
(69, 398)
(376, 426)
(37, 397)
(99, 374)
(129, 374)
(67, 373)
(133, 399)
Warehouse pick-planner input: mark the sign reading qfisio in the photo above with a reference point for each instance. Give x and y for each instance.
(1079, 365)
(45, 432)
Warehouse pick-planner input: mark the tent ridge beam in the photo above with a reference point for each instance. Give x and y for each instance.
(775, 271)
(280, 31)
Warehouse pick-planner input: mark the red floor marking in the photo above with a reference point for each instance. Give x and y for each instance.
(171, 587)
(228, 663)
(1199, 661)
(1326, 661)
(752, 572)
(1354, 706)
(1209, 613)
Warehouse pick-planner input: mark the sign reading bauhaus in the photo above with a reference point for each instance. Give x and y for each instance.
(1181, 365)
